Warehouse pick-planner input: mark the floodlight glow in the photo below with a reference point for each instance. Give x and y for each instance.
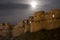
(53, 15)
(33, 4)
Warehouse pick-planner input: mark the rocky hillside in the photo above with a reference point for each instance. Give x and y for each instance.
(43, 34)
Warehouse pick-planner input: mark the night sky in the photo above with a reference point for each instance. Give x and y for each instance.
(14, 11)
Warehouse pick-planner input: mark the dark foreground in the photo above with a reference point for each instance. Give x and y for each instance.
(53, 34)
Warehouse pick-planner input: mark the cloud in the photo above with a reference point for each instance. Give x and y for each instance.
(15, 10)
(12, 6)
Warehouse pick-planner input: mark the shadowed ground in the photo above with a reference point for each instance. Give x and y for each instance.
(43, 34)
(53, 34)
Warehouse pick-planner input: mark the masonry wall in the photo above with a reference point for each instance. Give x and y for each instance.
(18, 30)
(40, 20)
(52, 19)
(37, 23)
(4, 29)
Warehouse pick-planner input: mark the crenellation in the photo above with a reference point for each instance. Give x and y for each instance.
(40, 20)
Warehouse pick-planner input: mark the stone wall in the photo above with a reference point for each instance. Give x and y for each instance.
(18, 30)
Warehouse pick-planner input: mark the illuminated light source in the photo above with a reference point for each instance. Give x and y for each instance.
(33, 4)
(53, 15)
(30, 21)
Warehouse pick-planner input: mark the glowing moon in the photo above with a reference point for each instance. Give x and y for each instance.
(33, 4)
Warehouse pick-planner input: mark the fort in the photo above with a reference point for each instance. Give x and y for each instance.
(40, 20)
(43, 20)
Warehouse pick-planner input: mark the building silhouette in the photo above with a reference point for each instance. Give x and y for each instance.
(40, 20)
(44, 20)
